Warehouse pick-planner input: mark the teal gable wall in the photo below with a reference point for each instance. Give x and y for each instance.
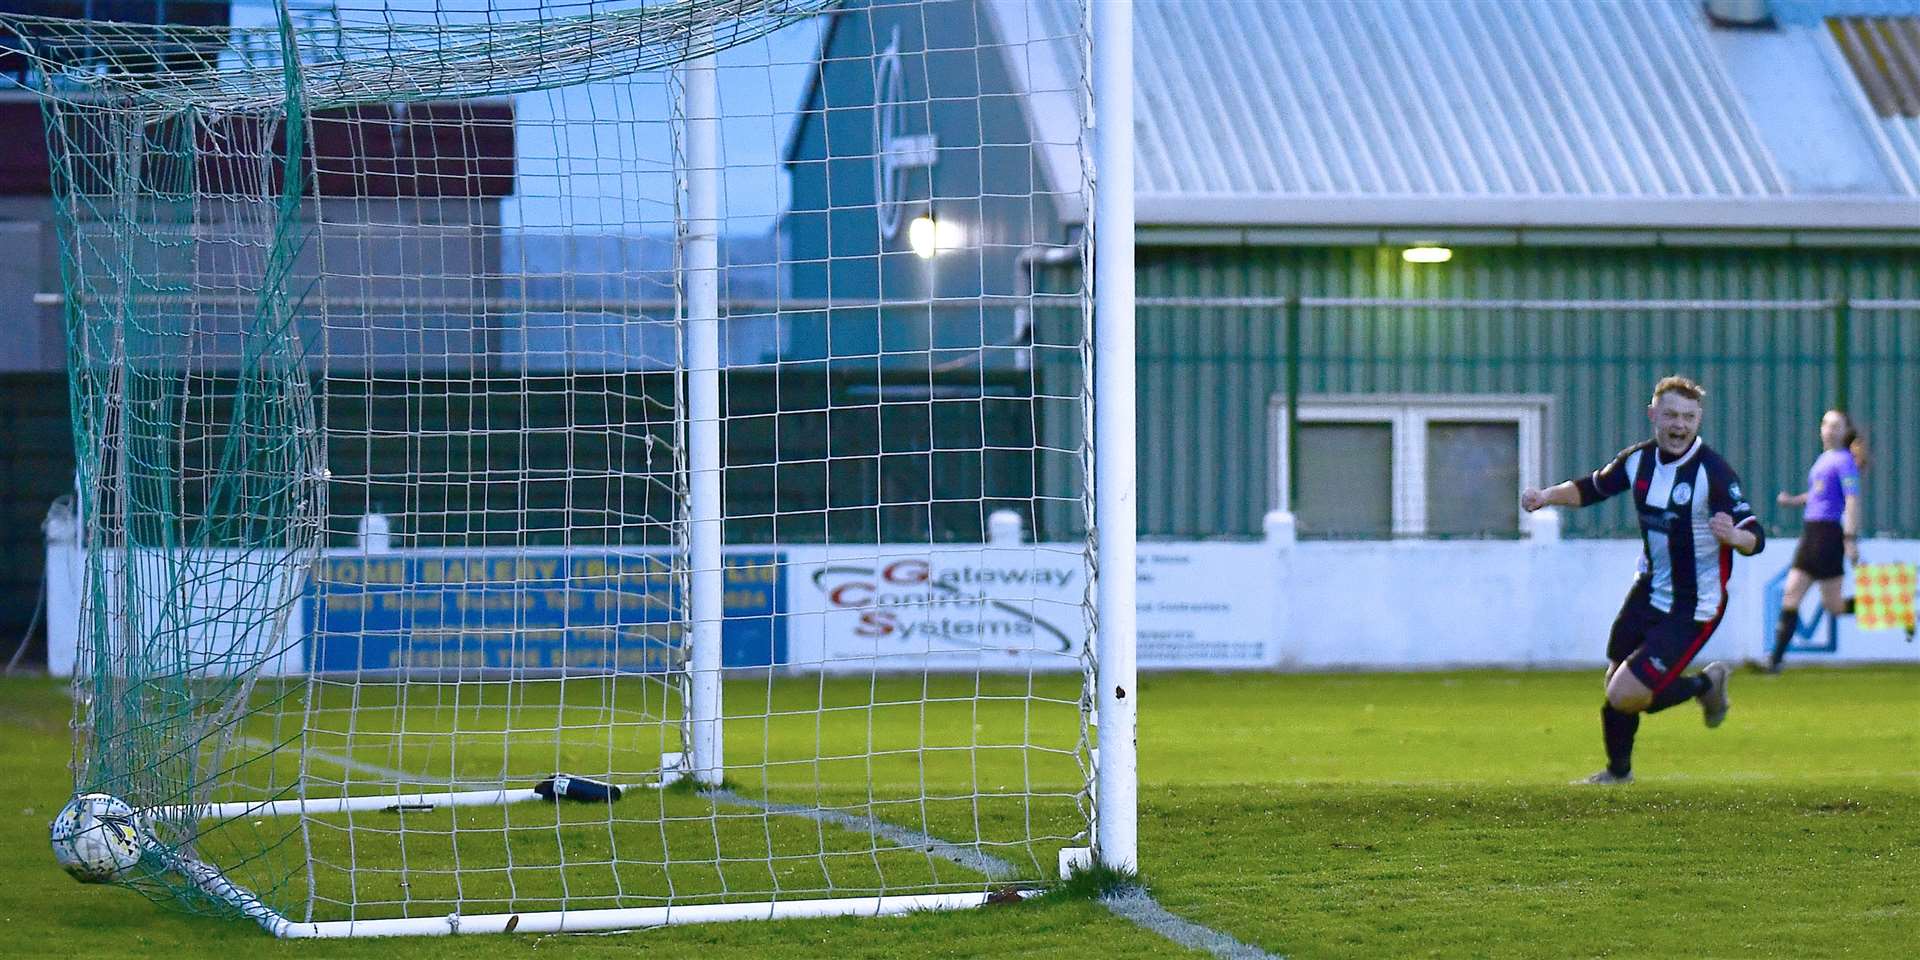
(984, 179)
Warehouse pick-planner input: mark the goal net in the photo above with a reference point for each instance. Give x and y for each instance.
(551, 464)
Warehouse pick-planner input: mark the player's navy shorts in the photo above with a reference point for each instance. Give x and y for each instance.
(1656, 646)
(1823, 550)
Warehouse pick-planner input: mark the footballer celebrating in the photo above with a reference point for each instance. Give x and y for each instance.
(1693, 517)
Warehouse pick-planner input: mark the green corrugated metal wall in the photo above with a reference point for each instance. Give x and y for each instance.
(1209, 373)
(1884, 392)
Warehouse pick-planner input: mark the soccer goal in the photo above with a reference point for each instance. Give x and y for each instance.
(588, 464)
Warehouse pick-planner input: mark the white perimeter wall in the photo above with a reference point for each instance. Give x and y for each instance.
(1293, 606)
(1423, 604)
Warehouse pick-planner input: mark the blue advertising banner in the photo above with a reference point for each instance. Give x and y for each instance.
(596, 610)
(1806, 637)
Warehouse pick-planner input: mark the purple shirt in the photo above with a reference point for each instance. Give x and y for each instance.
(1832, 480)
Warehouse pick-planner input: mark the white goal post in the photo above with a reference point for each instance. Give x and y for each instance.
(569, 465)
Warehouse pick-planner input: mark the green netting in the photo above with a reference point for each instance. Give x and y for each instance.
(198, 526)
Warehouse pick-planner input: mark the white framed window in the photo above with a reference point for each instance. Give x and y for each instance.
(1411, 465)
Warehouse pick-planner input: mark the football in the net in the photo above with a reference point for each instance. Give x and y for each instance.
(96, 838)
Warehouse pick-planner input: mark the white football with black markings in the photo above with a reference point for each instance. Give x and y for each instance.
(96, 838)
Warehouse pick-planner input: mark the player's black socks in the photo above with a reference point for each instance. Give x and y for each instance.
(1680, 691)
(1618, 729)
(1783, 634)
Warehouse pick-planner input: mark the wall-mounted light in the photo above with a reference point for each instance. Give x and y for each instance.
(1427, 254)
(928, 236)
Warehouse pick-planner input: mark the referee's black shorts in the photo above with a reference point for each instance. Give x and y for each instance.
(1822, 553)
(1656, 646)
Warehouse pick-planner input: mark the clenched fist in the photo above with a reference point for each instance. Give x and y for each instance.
(1722, 527)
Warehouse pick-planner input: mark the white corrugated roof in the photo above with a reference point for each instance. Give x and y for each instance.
(1901, 145)
(1463, 112)
(1452, 98)
(1879, 58)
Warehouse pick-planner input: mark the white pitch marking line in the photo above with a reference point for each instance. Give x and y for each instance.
(973, 859)
(1135, 905)
(976, 860)
(371, 769)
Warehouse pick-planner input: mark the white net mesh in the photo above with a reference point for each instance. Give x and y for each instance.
(380, 334)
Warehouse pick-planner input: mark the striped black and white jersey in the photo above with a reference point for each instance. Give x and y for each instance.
(1684, 566)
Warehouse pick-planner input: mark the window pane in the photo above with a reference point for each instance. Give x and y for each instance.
(1346, 480)
(1473, 479)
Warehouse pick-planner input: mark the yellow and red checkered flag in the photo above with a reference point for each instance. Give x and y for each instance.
(1883, 596)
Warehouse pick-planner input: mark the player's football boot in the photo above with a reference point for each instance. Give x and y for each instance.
(1714, 702)
(1605, 778)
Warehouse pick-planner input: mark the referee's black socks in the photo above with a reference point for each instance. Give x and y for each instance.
(1617, 730)
(1783, 635)
(1789, 622)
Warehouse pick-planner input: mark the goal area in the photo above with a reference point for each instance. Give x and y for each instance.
(590, 464)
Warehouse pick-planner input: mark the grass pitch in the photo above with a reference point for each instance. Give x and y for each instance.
(1340, 816)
